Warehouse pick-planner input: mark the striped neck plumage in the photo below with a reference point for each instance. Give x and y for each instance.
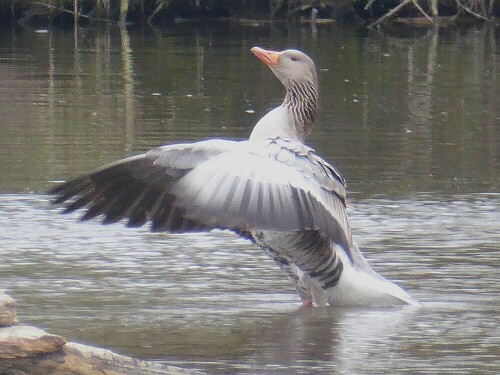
(301, 100)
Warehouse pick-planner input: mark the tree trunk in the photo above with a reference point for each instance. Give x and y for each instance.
(123, 11)
(434, 8)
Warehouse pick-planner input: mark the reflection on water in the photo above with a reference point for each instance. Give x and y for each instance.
(412, 122)
(396, 115)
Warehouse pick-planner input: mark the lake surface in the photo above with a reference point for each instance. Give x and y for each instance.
(412, 121)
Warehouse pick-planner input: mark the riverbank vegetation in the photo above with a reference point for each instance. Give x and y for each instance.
(157, 12)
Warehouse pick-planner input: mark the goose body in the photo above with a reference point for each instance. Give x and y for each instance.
(271, 189)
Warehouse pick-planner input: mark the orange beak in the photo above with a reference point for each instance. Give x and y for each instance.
(270, 58)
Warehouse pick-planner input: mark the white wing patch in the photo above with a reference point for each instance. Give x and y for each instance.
(250, 191)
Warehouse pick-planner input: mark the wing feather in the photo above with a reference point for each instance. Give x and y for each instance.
(275, 185)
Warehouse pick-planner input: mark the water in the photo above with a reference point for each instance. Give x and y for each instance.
(411, 121)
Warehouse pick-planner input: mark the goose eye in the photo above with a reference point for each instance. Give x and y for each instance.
(293, 58)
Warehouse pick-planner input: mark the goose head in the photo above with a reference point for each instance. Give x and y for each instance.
(290, 66)
(295, 117)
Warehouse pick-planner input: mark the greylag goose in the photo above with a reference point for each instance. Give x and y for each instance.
(271, 189)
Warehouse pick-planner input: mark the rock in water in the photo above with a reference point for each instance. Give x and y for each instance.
(7, 310)
(30, 350)
(24, 341)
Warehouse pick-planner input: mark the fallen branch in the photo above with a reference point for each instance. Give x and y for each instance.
(470, 11)
(158, 8)
(417, 5)
(369, 4)
(389, 13)
(394, 10)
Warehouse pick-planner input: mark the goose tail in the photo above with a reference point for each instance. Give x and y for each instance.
(360, 285)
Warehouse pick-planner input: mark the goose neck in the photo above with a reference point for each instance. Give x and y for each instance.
(301, 101)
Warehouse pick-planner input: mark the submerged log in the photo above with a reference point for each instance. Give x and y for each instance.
(30, 350)
(442, 21)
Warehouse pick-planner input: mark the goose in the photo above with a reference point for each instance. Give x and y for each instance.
(271, 189)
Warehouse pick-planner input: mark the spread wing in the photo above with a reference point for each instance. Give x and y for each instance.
(138, 188)
(273, 185)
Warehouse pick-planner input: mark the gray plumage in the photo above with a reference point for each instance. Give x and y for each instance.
(271, 189)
